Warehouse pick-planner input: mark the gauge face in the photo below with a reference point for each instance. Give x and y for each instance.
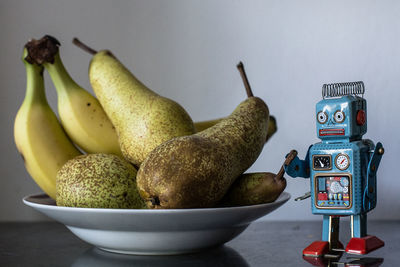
(322, 162)
(342, 161)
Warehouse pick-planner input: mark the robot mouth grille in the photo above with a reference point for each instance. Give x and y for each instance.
(325, 132)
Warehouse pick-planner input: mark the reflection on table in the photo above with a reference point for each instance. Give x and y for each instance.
(221, 256)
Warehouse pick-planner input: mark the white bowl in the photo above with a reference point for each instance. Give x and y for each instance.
(154, 232)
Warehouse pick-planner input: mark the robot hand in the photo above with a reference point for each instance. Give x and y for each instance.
(297, 167)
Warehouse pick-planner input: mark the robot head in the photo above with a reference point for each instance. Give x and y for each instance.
(342, 115)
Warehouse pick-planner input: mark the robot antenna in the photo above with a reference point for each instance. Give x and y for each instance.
(342, 89)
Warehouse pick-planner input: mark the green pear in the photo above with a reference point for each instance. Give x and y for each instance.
(257, 188)
(98, 181)
(202, 125)
(143, 119)
(196, 171)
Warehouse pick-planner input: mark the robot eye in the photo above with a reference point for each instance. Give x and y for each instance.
(339, 116)
(322, 117)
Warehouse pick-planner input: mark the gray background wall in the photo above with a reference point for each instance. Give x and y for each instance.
(187, 50)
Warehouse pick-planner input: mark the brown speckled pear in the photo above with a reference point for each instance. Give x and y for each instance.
(142, 118)
(196, 171)
(257, 188)
(254, 188)
(98, 181)
(202, 125)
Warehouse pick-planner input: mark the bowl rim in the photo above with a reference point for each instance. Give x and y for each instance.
(283, 197)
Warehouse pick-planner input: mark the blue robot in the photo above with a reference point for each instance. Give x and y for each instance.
(342, 170)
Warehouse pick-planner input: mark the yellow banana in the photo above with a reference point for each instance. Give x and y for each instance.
(202, 125)
(38, 135)
(81, 114)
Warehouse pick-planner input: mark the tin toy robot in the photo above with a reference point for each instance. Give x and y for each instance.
(342, 170)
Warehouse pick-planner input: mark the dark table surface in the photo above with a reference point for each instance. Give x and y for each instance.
(262, 244)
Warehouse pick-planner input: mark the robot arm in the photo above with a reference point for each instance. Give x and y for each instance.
(370, 187)
(375, 159)
(298, 167)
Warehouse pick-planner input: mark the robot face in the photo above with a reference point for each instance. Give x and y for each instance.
(341, 118)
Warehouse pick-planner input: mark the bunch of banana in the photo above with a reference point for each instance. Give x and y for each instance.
(39, 137)
(81, 114)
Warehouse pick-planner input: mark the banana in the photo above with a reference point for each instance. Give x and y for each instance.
(202, 125)
(38, 135)
(81, 114)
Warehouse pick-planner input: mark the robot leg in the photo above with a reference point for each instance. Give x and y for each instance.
(330, 239)
(360, 242)
(359, 225)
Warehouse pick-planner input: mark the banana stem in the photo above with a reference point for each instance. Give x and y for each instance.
(246, 83)
(34, 84)
(60, 76)
(83, 46)
(42, 50)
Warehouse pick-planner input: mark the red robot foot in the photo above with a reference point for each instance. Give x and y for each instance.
(316, 249)
(321, 248)
(363, 245)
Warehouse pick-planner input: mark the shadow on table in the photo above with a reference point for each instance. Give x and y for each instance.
(345, 261)
(220, 256)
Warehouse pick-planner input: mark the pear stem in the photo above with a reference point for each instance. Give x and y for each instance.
(292, 154)
(83, 46)
(246, 83)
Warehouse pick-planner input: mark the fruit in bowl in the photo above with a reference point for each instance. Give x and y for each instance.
(192, 181)
(98, 181)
